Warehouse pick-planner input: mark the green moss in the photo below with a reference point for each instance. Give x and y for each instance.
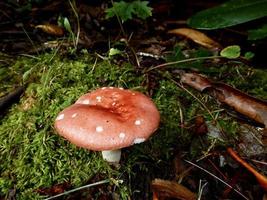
(33, 156)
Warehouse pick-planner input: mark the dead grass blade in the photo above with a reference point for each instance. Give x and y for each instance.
(228, 185)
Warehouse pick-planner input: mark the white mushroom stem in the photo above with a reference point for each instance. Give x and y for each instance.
(112, 156)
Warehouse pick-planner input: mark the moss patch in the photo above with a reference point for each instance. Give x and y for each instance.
(33, 156)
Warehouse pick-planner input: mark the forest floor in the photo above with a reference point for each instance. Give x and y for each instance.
(46, 72)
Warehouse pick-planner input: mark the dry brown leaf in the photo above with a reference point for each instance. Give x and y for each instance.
(196, 81)
(51, 29)
(262, 180)
(249, 106)
(198, 37)
(170, 189)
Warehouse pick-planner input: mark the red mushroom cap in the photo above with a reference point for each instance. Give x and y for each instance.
(108, 118)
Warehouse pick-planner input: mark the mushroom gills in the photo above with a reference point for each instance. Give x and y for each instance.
(112, 156)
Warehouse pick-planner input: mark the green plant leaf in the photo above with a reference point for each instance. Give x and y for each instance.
(249, 55)
(257, 34)
(231, 52)
(66, 24)
(113, 52)
(123, 9)
(141, 9)
(229, 14)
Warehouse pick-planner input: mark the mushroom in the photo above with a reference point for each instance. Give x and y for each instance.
(107, 120)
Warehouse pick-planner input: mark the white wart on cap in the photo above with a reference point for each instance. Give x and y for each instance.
(108, 119)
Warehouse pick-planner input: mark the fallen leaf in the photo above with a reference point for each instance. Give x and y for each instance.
(198, 37)
(196, 81)
(163, 188)
(51, 29)
(245, 104)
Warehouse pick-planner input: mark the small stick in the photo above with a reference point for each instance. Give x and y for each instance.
(195, 165)
(79, 188)
(262, 180)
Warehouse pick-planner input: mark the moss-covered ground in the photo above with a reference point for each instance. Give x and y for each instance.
(34, 157)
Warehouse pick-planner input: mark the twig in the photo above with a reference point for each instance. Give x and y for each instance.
(200, 189)
(214, 176)
(262, 180)
(259, 162)
(182, 61)
(79, 188)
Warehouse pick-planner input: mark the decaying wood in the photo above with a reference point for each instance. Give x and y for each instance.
(168, 189)
(262, 180)
(249, 106)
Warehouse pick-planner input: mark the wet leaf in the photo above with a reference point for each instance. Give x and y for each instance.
(196, 36)
(51, 29)
(231, 52)
(229, 14)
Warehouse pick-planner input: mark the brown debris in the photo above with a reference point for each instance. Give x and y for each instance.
(162, 189)
(51, 29)
(200, 127)
(55, 189)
